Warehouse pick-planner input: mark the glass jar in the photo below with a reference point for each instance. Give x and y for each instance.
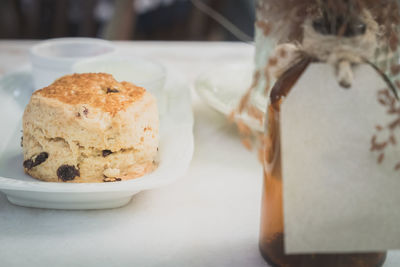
(272, 230)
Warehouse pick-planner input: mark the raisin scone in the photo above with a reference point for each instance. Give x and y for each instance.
(90, 128)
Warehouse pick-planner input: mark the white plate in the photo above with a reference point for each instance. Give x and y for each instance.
(223, 86)
(176, 149)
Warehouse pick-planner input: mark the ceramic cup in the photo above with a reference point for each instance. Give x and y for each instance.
(54, 58)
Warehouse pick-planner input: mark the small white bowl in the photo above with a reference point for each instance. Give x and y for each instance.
(54, 58)
(139, 71)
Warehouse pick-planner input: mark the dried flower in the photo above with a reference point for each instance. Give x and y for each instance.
(340, 32)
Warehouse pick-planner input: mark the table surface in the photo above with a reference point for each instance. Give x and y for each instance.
(209, 217)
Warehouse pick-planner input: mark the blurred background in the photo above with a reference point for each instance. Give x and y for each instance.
(212, 20)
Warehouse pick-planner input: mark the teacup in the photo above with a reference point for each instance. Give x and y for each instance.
(54, 58)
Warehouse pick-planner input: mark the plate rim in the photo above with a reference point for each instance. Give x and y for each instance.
(216, 103)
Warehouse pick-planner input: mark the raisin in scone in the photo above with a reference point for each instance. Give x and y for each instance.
(90, 128)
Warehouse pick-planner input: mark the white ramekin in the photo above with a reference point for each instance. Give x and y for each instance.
(54, 58)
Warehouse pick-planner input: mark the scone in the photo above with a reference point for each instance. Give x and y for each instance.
(90, 128)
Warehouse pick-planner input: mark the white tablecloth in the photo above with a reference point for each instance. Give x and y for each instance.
(210, 217)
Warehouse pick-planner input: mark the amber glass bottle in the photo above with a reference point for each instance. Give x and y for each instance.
(272, 231)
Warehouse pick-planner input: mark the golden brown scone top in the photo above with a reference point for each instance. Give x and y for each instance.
(99, 90)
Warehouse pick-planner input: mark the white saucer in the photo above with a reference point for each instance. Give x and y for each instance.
(176, 149)
(223, 86)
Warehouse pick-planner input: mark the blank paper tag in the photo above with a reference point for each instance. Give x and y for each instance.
(341, 163)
